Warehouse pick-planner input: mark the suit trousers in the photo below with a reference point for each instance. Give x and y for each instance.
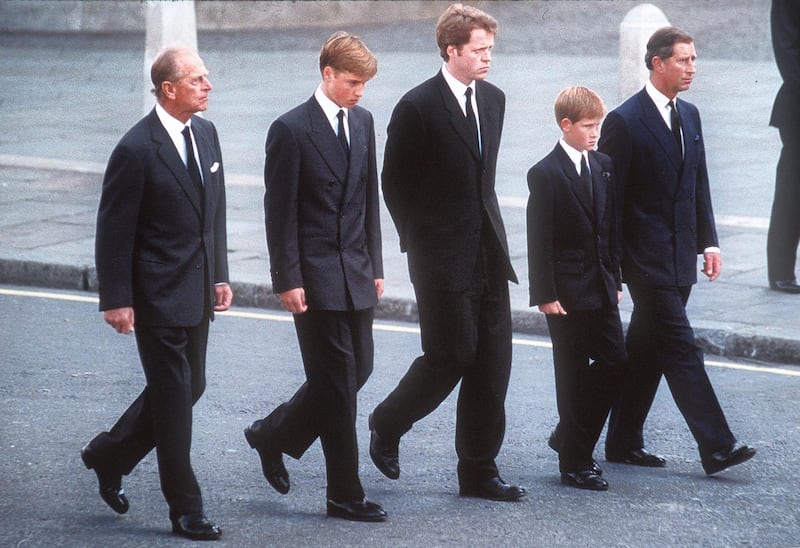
(661, 341)
(174, 363)
(466, 336)
(784, 224)
(338, 351)
(588, 356)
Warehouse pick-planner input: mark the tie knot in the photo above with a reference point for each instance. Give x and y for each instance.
(468, 93)
(340, 114)
(671, 105)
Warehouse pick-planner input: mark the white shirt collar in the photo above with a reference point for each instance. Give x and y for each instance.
(574, 154)
(331, 109)
(459, 89)
(174, 128)
(661, 101)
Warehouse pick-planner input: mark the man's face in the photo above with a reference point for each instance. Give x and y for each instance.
(581, 135)
(677, 72)
(342, 87)
(471, 61)
(189, 94)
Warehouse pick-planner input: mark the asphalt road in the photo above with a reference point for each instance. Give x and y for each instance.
(66, 375)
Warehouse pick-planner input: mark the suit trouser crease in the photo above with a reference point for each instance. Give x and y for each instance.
(466, 337)
(784, 226)
(337, 351)
(173, 359)
(660, 340)
(588, 355)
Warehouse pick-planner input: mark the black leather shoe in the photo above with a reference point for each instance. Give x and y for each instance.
(271, 463)
(585, 479)
(639, 457)
(356, 510)
(385, 454)
(554, 442)
(196, 527)
(730, 456)
(493, 489)
(785, 286)
(111, 490)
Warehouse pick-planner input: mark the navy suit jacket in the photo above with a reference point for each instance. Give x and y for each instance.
(785, 27)
(323, 219)
(573, 246)
(158, 247)
(439, 187)
(667, 218)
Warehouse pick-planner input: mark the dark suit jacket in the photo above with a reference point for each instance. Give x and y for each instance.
(158, 248)
(667, 218)
(437, 185)
(785, 25)
(572, 246)
(323, 219)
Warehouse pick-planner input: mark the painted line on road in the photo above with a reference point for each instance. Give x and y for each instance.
(378, 326)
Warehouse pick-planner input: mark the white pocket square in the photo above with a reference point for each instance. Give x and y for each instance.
(214, 167)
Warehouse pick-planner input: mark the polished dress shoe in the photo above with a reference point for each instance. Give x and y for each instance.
(493, 489)
(584, 479)
(785, 286)
(356, 510)
(718, 461)
(639, 457)
(111, 490)
(271, 463)
(195, 527)
(554, 442)
(385, 455)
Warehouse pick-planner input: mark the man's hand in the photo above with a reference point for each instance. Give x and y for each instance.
(554, 308)
(379, 287)
(294, 300)
(712, 265)
(224, 297)
(120, 319)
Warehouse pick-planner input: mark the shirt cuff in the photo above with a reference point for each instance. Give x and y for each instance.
(711, 250)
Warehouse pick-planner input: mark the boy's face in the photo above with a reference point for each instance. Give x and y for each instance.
(581, 135)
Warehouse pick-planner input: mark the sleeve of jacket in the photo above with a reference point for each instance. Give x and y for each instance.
(403, 155)
(117, 218)
(540, 221)
(220, 273)
(706, 227)
(281, 181)
(373, 211)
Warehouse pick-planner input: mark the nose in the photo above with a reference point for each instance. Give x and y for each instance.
(207, 84)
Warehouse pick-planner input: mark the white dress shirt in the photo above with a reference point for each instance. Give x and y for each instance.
(331, 111)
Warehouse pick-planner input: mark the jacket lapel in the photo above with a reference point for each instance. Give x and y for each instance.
(324, 140)
(456, 116)
(172, 160)
(599, 187)
(575, 182)
(358, 151)
(654, 123)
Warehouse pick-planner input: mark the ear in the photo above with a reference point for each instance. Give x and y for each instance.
(328, 73)
(451, 51)
(565, 125)
(168, 90)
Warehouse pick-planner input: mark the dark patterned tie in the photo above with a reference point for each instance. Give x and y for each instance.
(586, 181)
(342, 135)
(675, 122)
(471, 119)
(191, 163)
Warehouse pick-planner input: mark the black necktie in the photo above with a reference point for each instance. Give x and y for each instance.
(191, 163)
(341, 134)
(675, 121)
(471, 119)
(586, 181)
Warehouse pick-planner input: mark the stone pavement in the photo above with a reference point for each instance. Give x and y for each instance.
(65, 101)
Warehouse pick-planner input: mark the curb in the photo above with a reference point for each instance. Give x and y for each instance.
(713, 340)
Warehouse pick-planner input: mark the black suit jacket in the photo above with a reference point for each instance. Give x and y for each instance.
(667, 218)
(573, 246)
(159, 248)
(323, 219)
(785, 26)
(439, 188)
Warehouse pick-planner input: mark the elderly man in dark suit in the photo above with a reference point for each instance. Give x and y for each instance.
(784, 225)
(656, 143)
(162, 268)
(438, 182)
(323, 232)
